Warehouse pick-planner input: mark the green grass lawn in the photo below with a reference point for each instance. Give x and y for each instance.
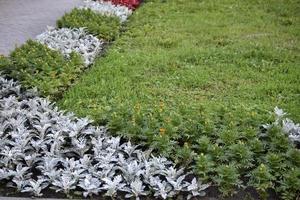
(189, 73)
(235, 60)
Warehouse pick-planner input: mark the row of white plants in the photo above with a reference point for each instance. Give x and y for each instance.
(43, 147)
(67, 40)
(108, 9)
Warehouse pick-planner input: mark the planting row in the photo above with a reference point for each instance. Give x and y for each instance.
(43, 147)
(56, 57)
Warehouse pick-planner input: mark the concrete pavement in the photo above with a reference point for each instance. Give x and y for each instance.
(21, 20)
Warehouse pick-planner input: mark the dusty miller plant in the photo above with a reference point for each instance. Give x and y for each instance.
(108, 9)
(287, 125)
(68, 40)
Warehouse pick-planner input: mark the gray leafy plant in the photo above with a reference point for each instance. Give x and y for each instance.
(288, 126)
(67, 40)
(108, 9)
(71, 155)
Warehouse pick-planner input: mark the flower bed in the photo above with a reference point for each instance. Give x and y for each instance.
(104, 27)
(108, 8)
(35, 65)
(43, 147)
(132, 4)
(187, 81)
(46, 148)
(68, 40)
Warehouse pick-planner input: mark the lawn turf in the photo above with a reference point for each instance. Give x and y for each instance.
(183, 70)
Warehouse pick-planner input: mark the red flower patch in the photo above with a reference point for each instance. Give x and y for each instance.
(132, 4)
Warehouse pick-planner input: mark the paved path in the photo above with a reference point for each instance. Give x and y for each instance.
(24, 19)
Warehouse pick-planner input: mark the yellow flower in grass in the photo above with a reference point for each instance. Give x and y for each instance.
(161, 106)
(168, 120)
(133, 121)
(186, 144)
(162, 131)
(137, 107)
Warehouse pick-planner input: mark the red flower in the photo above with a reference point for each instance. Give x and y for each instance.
(132, 4)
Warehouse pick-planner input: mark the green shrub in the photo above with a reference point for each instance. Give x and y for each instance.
(103, 27)
(36, 65)
(4, 63)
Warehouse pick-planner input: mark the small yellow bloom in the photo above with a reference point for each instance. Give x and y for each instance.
(161, 106)
(137, 107)
(162, 131)
(133, 121)
(262, 167)
(186, 144)
(168, 120)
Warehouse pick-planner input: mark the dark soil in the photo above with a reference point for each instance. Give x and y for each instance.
(212, 193)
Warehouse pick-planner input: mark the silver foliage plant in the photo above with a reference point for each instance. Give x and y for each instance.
(108, 9)
(42, 147)
(67, 40)
(288, 126)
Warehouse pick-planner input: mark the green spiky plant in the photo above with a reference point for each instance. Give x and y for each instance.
(227, 179)
(289, 186)
(262, 180)
(241, 155)
(205, 166)
(276, 164)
